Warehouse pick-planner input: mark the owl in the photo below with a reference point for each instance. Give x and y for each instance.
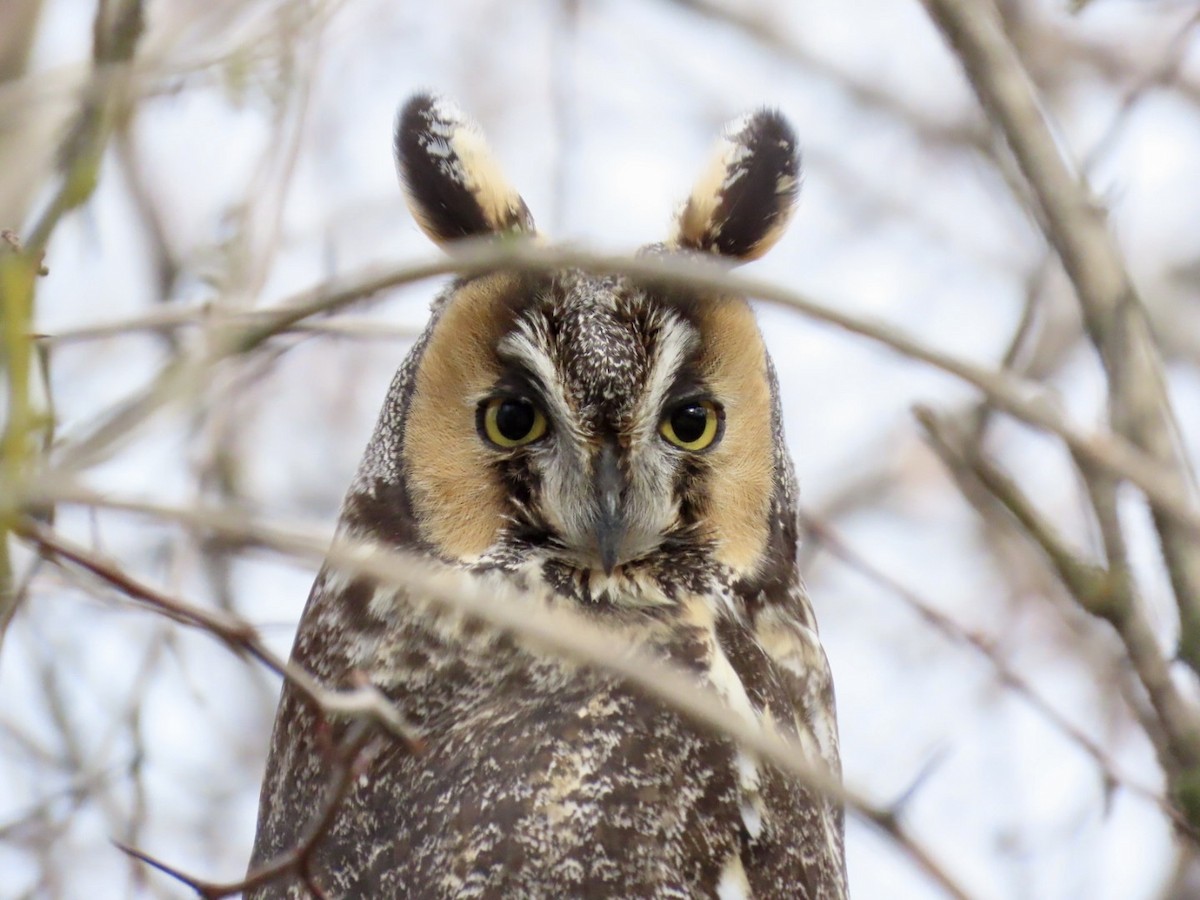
(610, 447)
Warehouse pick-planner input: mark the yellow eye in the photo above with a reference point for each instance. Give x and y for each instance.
(511, 421)
(694, 425)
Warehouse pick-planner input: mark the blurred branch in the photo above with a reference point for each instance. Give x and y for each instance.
(1166, 71)
(829, 540)
(116, 32)
(18, 27)
(565, 632)
(163, 257)
(258, 222)
(19, 268)
(1115, 61)
(1107, 594)
(205, 315)
(865, 91)
(351, 759)
(82, 783)
(1075, 225)
(1027, 401)
(366, 703)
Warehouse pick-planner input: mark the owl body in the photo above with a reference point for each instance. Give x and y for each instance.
(612, 449)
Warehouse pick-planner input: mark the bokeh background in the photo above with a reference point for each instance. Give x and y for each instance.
(251, 159)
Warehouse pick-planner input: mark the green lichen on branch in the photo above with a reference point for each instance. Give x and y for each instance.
(1185, 794)
(18, 271)
(105, 102)
(116, 30)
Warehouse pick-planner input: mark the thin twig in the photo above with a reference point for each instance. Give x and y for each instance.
(116, 31)
(366, 702)
(1027, 401)
(868, 92)
(1103, 593)
(351, 759)
(827, 538)
(1074, 223)
(205, 315)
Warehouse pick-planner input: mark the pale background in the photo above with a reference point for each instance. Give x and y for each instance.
(259, 164)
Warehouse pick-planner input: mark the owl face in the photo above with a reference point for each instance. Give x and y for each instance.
(605, 426)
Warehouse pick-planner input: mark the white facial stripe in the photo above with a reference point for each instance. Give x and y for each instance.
(676, 340)
(522, 347)
(566, 474)
(566, 480)
(733, 883)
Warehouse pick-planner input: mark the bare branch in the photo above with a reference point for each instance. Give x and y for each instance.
(1027, 401)
(176, 317)
(350, 759)
(1075, 225)
(366, 702)
(1105, 593)
(116, 31)
(867, 92)
(829, 539)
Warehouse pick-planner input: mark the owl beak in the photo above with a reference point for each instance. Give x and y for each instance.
(609, 525)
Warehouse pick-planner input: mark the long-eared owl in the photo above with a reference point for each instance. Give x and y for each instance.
(609, 446)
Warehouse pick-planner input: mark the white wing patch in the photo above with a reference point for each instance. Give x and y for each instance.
(675, 342)
(734, 885)
(728, 684)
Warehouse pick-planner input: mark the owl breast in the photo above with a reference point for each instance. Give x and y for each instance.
(574, 785)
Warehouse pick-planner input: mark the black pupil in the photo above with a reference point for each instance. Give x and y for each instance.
(689, 422)
(515, 418)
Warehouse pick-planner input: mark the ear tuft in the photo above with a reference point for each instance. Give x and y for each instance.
(741, 205)
(454, 187)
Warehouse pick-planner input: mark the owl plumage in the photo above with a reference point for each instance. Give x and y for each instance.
(610, 447)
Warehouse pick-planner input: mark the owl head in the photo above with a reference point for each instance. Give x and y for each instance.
(594, 426)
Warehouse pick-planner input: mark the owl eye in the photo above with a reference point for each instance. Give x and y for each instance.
(511, 421)
(693, 425)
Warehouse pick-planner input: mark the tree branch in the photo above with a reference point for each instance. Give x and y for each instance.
(1025, 400)
(1074, 223)
(351, 759)
(1105, 593)
(366, 702)
(827, 538)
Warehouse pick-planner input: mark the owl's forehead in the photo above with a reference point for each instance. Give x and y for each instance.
(603, 337)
